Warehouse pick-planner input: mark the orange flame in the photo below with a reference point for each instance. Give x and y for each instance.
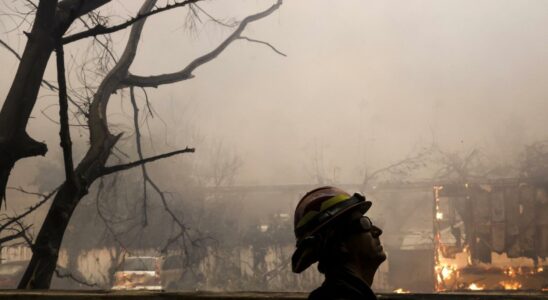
(510, 272)
(475, 287)
(510, 285)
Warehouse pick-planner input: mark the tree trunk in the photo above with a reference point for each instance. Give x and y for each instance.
(52, 20)
(14, 141)
(48, 242)
(46, 248)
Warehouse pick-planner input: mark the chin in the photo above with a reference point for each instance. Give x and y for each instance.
(382, 256)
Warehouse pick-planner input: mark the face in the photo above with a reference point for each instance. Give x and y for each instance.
(365, 244)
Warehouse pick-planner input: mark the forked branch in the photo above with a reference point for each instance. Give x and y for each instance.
(101, 29)
(186, 72)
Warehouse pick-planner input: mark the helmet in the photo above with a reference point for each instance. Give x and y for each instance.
(317, 211)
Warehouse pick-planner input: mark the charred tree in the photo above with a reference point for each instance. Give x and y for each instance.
(94, 164)
(52, 19)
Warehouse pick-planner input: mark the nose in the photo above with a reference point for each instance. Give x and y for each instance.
(376, 231)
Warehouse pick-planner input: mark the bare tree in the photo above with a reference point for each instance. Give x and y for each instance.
(402, 168)
(462, 167)
(52, 20)
(13, 227)
(15, 143)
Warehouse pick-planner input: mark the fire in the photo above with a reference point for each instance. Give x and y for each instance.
(510, 272)
(454, 268)
(401, 291)
(445, 272)
(510, 285)
(439, 215)
(475, 287)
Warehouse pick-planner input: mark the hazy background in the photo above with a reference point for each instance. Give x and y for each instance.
(364, 82)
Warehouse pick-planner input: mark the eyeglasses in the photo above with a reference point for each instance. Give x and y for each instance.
(362, 224)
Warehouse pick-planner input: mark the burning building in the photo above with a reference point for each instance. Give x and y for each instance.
(491, 236)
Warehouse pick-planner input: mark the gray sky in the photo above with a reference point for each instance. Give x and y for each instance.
(364, 81)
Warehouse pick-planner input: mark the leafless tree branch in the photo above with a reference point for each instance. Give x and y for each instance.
(186, 72)
(264, 43)
(410, 161)
(139, 151)
(104, 219)
(101, 29)
(20, 232)
(31, 208)
(123, 167)
(45, 82)
(64, 133)
(213, 18)
(10, 49)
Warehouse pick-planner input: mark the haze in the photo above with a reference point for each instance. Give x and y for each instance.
(364, 82)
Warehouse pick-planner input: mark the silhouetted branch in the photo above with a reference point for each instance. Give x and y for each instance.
(20, 189)
(10, 49)
(139, 151)
(46, 83)
(101, 29)
(123, 167)
(29, 209)
(411, 161)
(25, 234)
(264, 43)
(215, 19)
(19, 233)
(147, 178)
(64, 132)
(104, 219)
(186, 72)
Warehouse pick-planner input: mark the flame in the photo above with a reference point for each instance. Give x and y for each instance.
(401, 291)
(475, 287)
(455, 269)
(510, 272)
(445, 271)
(510, 285)
(439, 215)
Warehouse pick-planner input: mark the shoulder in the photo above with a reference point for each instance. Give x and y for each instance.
(325, 292)
(338, 291)
(334, 292)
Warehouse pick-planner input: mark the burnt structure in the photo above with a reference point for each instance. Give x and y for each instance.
(491, 235)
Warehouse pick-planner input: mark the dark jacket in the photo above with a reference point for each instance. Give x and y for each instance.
(342, 285)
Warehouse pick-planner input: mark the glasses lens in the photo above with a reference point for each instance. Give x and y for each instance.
(366, 223)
